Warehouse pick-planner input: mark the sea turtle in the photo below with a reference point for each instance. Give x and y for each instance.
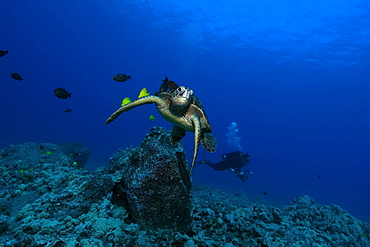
(184, 110)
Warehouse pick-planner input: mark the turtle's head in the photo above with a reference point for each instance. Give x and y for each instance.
(181, 96)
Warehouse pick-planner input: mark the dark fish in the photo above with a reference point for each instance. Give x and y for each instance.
(16, 76)
(164, 85)
(3, 53)
(167, 85)
(265, 193)
(121, 77)
(172, 85)
(67, 110)
(319, 176)
(61, 93)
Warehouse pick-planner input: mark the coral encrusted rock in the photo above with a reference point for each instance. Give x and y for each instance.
(154, 183)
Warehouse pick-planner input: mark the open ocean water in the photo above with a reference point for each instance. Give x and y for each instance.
(293, 75)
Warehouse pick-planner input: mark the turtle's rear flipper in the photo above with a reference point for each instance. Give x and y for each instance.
(197, 137)
(209, 143)
(177, 134)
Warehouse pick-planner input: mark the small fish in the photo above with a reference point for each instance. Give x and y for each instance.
(151, 118)
(121, 77)
(166, 80)
(67, 110)
(167, 85)
(265, 193)
(3, 53)
(125, 101)
(172, 85)
(16, 76)
(319, 176)
(143, 93)
(61, 93)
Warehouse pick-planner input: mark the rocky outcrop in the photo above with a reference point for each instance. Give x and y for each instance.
(154, 182)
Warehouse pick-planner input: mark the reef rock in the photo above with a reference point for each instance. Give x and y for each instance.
(143, 199)
(44, 196)
(238, 221)
(76, 151)
(154, 183)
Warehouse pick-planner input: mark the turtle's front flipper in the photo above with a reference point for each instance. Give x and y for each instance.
(177, 134)
(132, 105)
(197, 128)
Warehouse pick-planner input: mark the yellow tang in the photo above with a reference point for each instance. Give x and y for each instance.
(151, 117)
(143, 93)
(125, 101)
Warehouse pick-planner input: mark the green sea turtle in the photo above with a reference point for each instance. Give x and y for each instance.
(184, 110)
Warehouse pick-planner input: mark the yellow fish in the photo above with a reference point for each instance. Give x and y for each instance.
(125, 101)
(143, 93)
(151, 117)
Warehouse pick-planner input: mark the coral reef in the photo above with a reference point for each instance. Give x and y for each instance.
(76, 151)
(235, 220)
(45, 200)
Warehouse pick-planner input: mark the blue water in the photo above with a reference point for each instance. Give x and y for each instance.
(293, 75)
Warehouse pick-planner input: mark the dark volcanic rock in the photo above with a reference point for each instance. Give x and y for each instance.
(154, 182)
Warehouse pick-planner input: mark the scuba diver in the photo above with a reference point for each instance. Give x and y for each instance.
(234, 162)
